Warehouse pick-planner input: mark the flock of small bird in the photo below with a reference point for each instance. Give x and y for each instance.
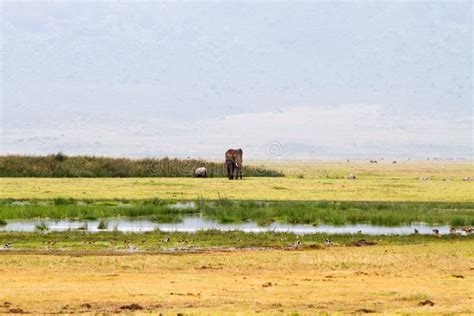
(297, 244)
(128, 242)
(452, 231)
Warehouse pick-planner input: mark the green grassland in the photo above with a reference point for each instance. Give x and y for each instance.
(209, 272)
(312, 192)
(262, 212)
(308, 181)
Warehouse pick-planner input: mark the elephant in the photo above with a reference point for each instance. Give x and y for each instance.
(233, 162)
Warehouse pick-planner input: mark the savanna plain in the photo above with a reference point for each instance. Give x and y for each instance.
(218, 272)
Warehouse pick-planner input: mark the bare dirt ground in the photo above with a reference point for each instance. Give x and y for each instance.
(423, 278)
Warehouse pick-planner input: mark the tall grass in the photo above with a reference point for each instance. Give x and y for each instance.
(83, 211)
(60, 166)
(262, 212)
(340, 213)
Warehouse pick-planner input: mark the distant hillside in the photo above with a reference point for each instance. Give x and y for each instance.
(62, 166)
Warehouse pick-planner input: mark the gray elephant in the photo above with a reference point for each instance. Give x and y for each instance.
(233, 162)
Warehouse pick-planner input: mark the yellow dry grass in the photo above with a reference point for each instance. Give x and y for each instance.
(405, 169)
(338, 279)
(321, 181)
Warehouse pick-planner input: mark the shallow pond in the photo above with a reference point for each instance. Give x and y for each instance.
(197, 223)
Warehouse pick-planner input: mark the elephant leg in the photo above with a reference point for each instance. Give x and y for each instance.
(230, 169)
(237, 172)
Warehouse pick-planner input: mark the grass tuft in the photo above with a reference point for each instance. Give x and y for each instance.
(42, 227)
(63, 201)
(102, 224)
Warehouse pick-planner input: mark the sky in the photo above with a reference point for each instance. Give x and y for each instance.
(289, 80)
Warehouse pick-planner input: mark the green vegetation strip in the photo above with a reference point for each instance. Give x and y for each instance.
(62, 166)
(157, 240)
(262, 212)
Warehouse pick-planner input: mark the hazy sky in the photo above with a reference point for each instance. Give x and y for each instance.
(293, 80)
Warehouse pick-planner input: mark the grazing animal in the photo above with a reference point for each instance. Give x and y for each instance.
(167, 239)
(436, 232)
(373, 161)
(468, 179)
(425, 178)
(8, 245)
(351, 176)
(416, 232)
(327, 242)
(200, 172)
(233, 162)
(452, 230)
(394, 161)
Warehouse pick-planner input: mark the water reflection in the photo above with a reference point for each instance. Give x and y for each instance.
(197, 223)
